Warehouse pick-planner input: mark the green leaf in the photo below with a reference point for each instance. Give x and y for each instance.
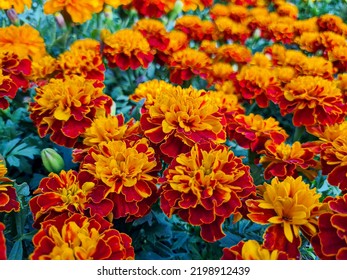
(16, 252)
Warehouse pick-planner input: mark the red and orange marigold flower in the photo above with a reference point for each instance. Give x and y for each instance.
(204, 187)
(68, 192)
(80, 238)
(3, 255)
(196, 28)
(334, 161)
(252, 250)
(179, 118)
(312, 100)
(153, 8)
(253, 131)
(128, 170)
(289, 205)
(330, 242)
(282, 160)
(127, 48)
(65, 108)
(8, 196)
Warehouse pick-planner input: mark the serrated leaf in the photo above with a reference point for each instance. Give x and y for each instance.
(13, 161)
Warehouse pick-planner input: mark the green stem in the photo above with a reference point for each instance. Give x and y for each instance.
(299, 131)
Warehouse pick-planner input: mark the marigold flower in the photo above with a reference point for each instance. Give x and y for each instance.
(339, 58)
(104, 129)
(285, 74)
(2, 242)
(234, 53)
(116, 3)
(330, 241)
(316, 66)
(153, 8)
(17, 5)
(8, 196)
(220, 72)
(306, 25)
(282, 30)
(334, 159)
(289, 203)
(208, 47)
(258, 83)
(68, 192)
(196, 28)
(127, 48)
(282, 160)
(186, 63)
(23, 40)
(14, 73)
(312, 100)
(253, 131)
(128, 169)
(331, 23)
(287, 10)
(80, 238)
(309, 41)
(42, 69)
(154, 31)
(219, 10)
(80, 11)
(329, 133)
(252, 250)
(262, 60)
(204, 187)
(331, 40)
(231, 30)
(65, 108)
(179, 118)
(80, 61)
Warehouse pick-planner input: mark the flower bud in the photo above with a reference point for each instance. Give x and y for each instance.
(12, 16)
(52, 161)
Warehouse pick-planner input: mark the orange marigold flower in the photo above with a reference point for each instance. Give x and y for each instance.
(81, 61)
(219, 73)
(179, 118)
(186, 63)
(234, 53)
(65, 108)
(8, 196)
(258, 83)
(128, 169)
(316, 66)
(14, 74)
(330, 243)
(116, 3)
(334, 161)
(153, 8)
(253, 131)
(282, 160)
(196, 28)
(290, 203)
(282, 30)
(285, 74)
(68, 192)
(2, 242)
(23, 40)
(338, 57)
(80, 11)
(262, 60)
(238, 13)
(252, 250)
(232, 30)
(154, 31)
(329, 22)
(306, 25)
(204, 187)
(42, 69)
(178, 41)
(81, 238)
(219, 10)
(104, 129)
(149, 90)
(193, 5)
(17, 5)
(208, 47)
(287, 10)
(331, 40)
(341, 82)
(127, 48)
(228, 104)
(309, 41)
(312, 100)
(328, 133)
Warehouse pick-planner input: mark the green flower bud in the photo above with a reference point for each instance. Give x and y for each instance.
(52, 161)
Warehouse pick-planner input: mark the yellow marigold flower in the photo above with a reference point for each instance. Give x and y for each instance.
(252, 250)
(195, 4)
(65, 108)
(43, 68)
(261, 60)
(285, 73)
(79, 10)
(233, 53)
(220, 72)
(232, 30)
(85, 44)
(219, 10)
(208, 47)
(149, 90)
(290, 203)
(316, 66)
(24, 40)
(81, 238)
(128, 170)
(287, 10)
(116, 3)
(342, 83)
(17, 5)
(306, 25)
(179, 118)
(331, 40)
(282, 30)
(127, 48)
(186, 63)
(204, 187)
(329, 133)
